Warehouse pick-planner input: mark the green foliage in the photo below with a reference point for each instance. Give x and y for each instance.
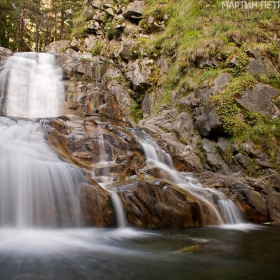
(143, 47)
(210, 73)
(200, 151)
(136, 112)
(222, 27)
(226, 104)
(165, 100)
(240, 65)
(79, 27)
(32, 25)
(111, 30)
(96, 49)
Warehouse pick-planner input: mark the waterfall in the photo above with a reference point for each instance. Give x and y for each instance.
(105, 177)
(119, 211)
(31, 86)
(37, 188)
(155, 156)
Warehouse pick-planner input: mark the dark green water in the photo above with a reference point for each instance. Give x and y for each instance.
(205, 253)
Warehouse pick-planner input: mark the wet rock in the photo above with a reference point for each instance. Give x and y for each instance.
(261, 99)
(272, 189)
(77, 140)
(163, 122)
(189, 249)
(158, 204)
(239, 188)
(122, 97)
(257, 201)
(96, 206)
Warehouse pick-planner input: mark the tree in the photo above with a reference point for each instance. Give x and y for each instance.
(26, 25)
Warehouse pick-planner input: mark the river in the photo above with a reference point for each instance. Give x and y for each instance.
(231, 252)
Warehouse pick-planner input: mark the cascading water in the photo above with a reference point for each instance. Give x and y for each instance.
(37, 188)
(31, 86)
(160, 159)
(104, 178)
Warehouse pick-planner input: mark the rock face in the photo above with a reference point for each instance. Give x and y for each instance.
(262, 100)
(96, 209)
(139, 74)
(159, 204)
(135, 10)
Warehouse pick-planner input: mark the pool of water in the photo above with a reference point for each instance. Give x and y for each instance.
(232, 252)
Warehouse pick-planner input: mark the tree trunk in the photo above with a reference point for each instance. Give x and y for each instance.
(1, 18)
(62, 16)
(37, 27)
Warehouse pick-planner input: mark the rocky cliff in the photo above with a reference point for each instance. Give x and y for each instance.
(203, 80)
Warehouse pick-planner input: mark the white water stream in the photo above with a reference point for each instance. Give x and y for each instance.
(31, 86)
(106, 177)
(159, 158)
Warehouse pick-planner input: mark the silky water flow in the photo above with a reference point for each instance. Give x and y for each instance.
(159, 158)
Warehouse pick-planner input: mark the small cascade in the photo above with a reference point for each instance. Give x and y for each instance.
(159, 158)
(105, 177)
(31, 86)
(37, 188)
(152, 151)
(231, 211)
(101, 169)
(118, 207)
